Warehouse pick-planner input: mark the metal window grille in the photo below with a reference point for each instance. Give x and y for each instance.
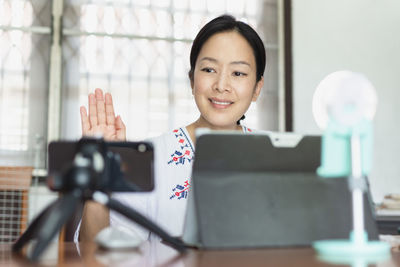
(24, 57)
(14, 187)
(138, 51)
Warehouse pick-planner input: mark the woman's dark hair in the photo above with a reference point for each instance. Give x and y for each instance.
(226, 23)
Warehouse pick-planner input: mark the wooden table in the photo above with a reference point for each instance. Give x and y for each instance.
(157, 254)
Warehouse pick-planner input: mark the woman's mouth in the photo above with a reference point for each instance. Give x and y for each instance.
(220, 104)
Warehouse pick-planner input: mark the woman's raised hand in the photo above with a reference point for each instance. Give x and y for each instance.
(101, 120)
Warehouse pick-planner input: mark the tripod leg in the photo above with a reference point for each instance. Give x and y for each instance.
(32, 229)
(139, 219)
(59, 215)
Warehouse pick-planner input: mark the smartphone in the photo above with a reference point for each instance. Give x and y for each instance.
(136, 163)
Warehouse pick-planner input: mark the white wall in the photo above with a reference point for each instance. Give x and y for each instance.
(362, 36)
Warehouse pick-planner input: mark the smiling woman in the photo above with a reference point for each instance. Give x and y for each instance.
(227, 65)
(224, 81)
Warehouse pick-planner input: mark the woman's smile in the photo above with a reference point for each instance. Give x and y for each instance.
(220, 103)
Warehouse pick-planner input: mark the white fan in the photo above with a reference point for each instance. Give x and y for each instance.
(344, 105)
(344, 96)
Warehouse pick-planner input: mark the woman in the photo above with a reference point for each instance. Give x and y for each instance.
(227, 62)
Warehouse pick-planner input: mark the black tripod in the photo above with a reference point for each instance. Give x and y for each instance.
(79, 184)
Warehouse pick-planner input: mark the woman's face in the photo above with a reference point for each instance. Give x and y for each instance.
(224, 83)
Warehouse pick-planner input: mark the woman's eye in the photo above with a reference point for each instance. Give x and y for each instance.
(238, 73)
(209, 70)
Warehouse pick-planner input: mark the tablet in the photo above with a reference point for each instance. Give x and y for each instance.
(262, 190)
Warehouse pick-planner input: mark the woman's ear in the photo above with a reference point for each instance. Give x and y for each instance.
(191, 78)
(258, 88)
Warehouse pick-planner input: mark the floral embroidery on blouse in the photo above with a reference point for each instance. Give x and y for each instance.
(180, 191)
(185, 151)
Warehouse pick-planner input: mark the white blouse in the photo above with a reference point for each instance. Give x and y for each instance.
(166, 204)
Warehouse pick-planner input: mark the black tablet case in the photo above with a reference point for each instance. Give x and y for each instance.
(247, 193)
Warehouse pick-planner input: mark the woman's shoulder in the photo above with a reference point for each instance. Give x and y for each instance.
(174, 136)
(249, 130)
(178, 139)
(176, 145)
(253, 130)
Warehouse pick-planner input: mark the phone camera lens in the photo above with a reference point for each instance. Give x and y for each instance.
(142, 148)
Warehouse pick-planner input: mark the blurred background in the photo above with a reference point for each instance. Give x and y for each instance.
(137, 50)
(53, 53)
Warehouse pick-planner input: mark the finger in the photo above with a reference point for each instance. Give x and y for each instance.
(85, 121)
(101, 112)
(92, 110)
(110, 116)
(120, 128)
(119, 124)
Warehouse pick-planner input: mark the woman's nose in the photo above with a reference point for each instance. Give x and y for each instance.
(223, 83)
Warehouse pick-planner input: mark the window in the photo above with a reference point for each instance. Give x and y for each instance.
(136, 49)
(24, 57)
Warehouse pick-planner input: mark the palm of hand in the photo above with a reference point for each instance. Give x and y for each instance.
(108, 132)
(101, 120)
